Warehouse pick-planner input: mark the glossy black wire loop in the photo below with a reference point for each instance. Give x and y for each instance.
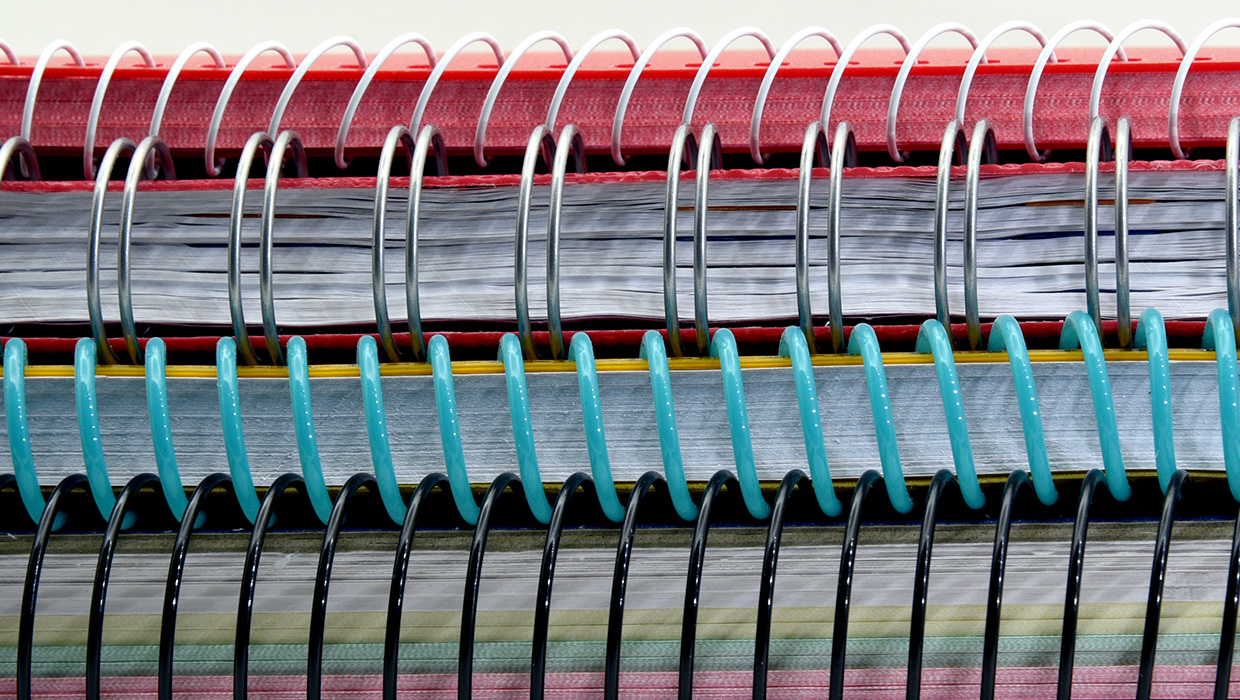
(1158, 577)
(546, 577)
(620, 581)
(249, 579)
(400, 571)
(176, 570)
(921, 580)
(766, 593)
(1227, 637)
(473, 581)
(843, 591)
(322, 579)
(1072, 596)
(998, 566)
(34, 568)
(99, 591)
(693, 582)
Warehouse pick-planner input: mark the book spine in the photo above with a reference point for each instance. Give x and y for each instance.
(350, 102)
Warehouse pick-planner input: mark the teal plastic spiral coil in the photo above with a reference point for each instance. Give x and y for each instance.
(1078, 332)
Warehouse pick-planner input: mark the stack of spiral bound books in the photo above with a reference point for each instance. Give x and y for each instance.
(902, 323)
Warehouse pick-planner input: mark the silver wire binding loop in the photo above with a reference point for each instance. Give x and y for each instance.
(286, 95)
(236, 219)
(839, 159)
(1123, 304)
(174, 71)
(1121, 203)
(415, 123)
(1232, 221)
(561, 88)
(982, 149)
(150, 148)
(710, 156)
(768, 79)
(682, 152)
(709, 62)
(165, 91)
(540, 141)
(1097, 149)
(814, 144)
(897, 90)
(266, 289)
(1100, 74)
(96, 103)
(683, 141)
(9, 53)
(570, 140)
(484, 117)
(1181, 76)
(214, 166)
(951, 152)
(841, 64)
(20, 147)
(1035, 76)
(428, 138)
(36, 79)
(416, 154)
(257, 140)
(342, 134)
(622, 105)
(94, 307)
(979, 55)
(398, 136)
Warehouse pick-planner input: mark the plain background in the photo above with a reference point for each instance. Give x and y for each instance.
(167, 26)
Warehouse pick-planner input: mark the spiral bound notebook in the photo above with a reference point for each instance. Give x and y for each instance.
(907, 328)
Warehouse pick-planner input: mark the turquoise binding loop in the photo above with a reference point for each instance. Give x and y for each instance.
(1152, 337)
(376, 429)
(1220, 336)
(522, 427)
(234, 434)
(863, 342)
(932, 338)
(1079, 332)
(581, 351)
(18, 424)
(793, 345)
(723, 348)
(303, 426)
(655, 355)
(1006, 336)
(88, 430)
(161, 429)
(450, 430)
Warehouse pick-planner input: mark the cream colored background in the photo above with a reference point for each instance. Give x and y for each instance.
(167, 26)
